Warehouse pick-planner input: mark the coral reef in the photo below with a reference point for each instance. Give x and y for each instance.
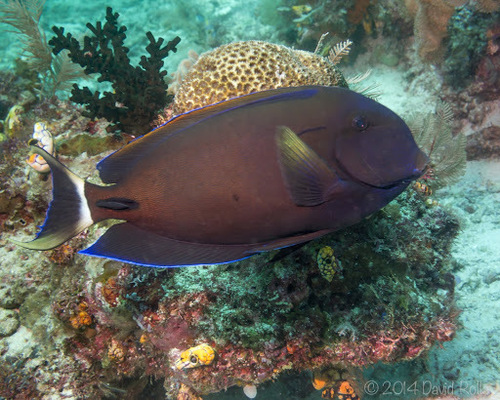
(16, 101)
(476, 105)
(116, 331)
(138, 92)
(245, 67)
(467, 42)
(484, 143)
(260, 317)
(487, 83)
(431, 27)
(431, 22)
(120, 330)
(352, 18)
(9, 322)
(360, 20)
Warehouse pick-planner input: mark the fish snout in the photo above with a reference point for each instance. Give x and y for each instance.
(421, 162)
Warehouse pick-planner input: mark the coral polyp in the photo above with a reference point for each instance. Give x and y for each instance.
(241, 68)
(82, 318)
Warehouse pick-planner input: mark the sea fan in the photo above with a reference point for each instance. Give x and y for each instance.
(371, 90)
(24, 16)
(55, 72)
(339, 50)
(446, 151)
(62, 74)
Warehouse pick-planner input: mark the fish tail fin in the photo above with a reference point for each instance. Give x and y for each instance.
(68, 212)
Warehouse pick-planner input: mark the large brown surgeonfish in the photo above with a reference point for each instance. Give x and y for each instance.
(247, 175)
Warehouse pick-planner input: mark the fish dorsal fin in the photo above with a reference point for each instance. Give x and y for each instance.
(119, 164)
(309, 180)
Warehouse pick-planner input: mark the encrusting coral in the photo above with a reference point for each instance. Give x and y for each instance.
(138, 92)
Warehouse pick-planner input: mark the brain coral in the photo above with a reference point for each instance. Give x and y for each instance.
(241, 68)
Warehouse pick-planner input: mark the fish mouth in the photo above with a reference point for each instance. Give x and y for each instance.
(396, 184)
(421, 163)
(421, 166)
(399, 183)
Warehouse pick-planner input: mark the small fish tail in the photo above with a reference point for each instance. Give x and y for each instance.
(68, 212)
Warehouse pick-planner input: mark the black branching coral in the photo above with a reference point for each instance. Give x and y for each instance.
(138, 92)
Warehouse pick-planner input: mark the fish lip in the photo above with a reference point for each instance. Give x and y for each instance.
(392, 185)
(401, 182)
(423, 164)
(417, 173)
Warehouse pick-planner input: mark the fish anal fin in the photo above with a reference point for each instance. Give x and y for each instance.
(309, 180)
(128, 243)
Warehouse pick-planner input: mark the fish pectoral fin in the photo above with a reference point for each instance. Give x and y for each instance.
(309, 180)
(128, 243)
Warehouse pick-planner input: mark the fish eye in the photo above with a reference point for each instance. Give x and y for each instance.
(360, 123)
